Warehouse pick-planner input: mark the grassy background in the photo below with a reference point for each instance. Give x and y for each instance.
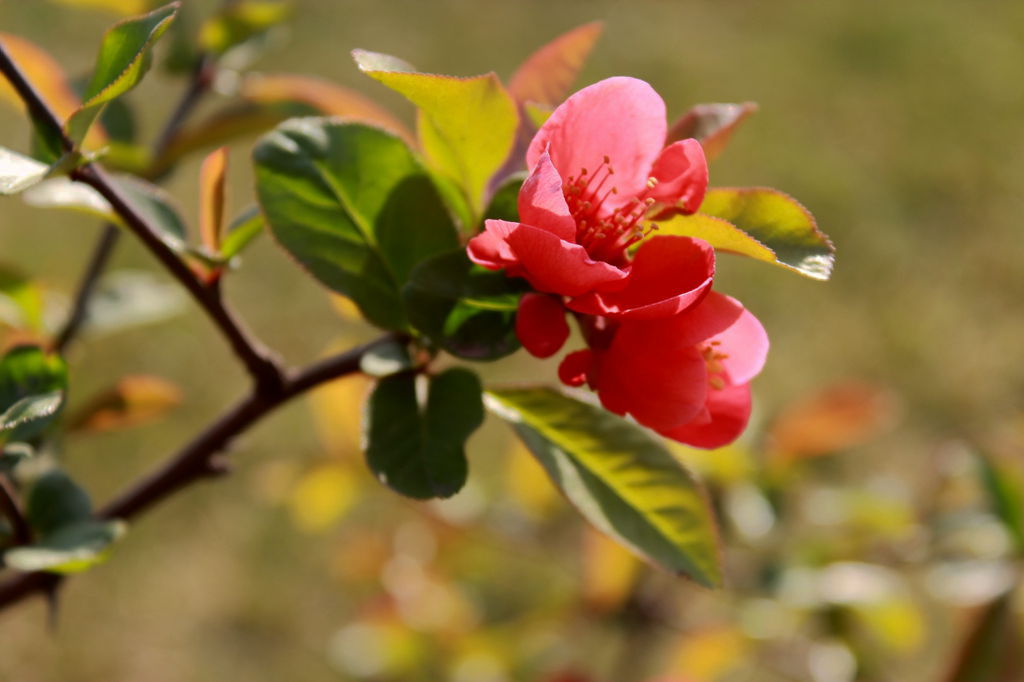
(897, 124)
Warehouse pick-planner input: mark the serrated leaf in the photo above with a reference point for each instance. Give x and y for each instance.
(50, 81)
(71, 549)
(420, 452)
(619, 477)
(122, 61)
(155, 205)
(546, 76)
(761, 223)
(30, 416)
(19, 172)
(32, 387)
(712, 124)
(462, 308)
(354, 207)
(467, 126)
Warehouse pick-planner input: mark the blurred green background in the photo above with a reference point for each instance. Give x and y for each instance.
(899, 125)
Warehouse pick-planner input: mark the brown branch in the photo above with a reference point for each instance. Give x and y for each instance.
(199, 84)
(197, 460)
(260, 363)
(97, 264)
(11, 510)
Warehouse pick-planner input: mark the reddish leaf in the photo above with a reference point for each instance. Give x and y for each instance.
(836, 418)
(49, 79)
(134, 400)
(211, 198)
(322, 95)
(712, 124)
(546, 76)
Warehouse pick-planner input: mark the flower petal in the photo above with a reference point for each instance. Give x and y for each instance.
(711, 317)
(648, 374)
(682, 175)
(728, 411)
(576, 368)
(490, 248)
(542, 203)
(556, 266)
(668, 275)
(541, 325)
(745, 345)
(621, 118)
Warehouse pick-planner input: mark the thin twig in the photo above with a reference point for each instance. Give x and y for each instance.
(199, 84)
(262, 366)
(97, 264)
(11, 510)
(196, 461)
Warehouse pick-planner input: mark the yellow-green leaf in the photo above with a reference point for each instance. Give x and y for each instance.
(761, 223)
(122, 62)
(620, 478)
(466, 125)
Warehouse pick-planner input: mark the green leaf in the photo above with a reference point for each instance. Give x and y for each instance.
(463, 308)
(21, 301)
(19, 172)
(55, 501)
(1005, 487)
(239, 22)
(762, 223)
(505, 202)
(30, 416)
(29, 372)
(242, 230)
(71, 549)
(467, 126)
(420, 453)
(122, 61)
(12, 454)
(385, 359)
(156, 206)
(354, 207)
(619, 477)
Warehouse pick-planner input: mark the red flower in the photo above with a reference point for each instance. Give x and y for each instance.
(662, 347)
(597, 169)
(686, 376)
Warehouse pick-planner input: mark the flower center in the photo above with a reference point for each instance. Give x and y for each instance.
(713, 359)
(606, 232)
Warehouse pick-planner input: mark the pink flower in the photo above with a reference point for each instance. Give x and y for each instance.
(598, 167)
(686, 376)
